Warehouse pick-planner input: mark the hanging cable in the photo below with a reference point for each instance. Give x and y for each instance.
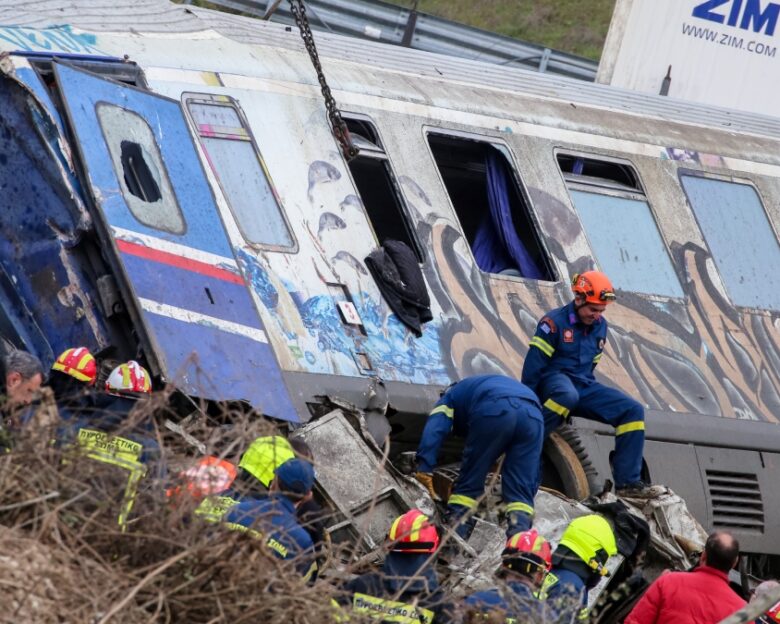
(340, 131)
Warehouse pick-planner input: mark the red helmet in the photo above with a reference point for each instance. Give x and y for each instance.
(413, 533)
(129, 378)
(79, 363)
(594, 286)
(526, 551)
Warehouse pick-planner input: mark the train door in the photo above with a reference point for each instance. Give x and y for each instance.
(174, 263)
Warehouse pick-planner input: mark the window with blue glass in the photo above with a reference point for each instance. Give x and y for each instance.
(740, 238)
(240, 171)
(620, 226)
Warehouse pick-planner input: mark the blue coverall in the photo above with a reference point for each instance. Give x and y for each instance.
(497, 415)
(559, 368)
(520, 604)
(566, 593)
(267, 517)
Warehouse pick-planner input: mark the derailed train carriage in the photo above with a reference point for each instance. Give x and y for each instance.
(172, 191)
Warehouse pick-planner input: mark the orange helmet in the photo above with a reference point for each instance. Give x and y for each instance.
(79, 363)
(594, 286)
(210, 475)
(526, 551)
(129, 378)
(413, 532)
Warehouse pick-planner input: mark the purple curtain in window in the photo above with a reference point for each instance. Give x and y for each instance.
(497, 246)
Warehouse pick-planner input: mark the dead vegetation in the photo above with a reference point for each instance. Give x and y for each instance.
(63, 557)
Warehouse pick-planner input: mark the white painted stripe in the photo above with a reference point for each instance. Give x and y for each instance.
(174, 248)
(188, 316)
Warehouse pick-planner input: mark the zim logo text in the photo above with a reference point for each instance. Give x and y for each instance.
(744, 14)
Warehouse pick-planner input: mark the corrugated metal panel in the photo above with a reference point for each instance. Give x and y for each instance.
(160, 16)
(388, 23)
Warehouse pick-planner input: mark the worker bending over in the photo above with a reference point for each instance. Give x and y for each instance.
(563, 354)
(497, 415)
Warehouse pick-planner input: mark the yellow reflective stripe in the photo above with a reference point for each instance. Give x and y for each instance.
(520, 507)
(543, 346)
(464, 501)
(390, 610)
(394, 528)
(639, 425)
(443, 409)
(583, 614)
(549, 581)
(416, 525)
(310, 572)
(557, 408)
(213, 508)
(100, 442)
(597, 358)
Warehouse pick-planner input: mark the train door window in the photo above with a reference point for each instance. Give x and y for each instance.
(491, 206)
(236, 162)
(377, 186)
(740, 237)
(143, 178)
(620, 226)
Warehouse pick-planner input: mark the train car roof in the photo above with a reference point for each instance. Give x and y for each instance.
(155, 17)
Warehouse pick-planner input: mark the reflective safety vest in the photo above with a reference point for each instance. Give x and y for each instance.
(390, 610)
(120, 452)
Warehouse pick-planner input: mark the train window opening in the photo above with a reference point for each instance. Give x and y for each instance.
(139, 167)
(138, 176)
(492, 209)
(596, 172)
(376, 184)
(623, 233)
(740, 237)
(240, 170)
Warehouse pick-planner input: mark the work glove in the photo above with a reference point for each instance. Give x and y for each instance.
(427, 480)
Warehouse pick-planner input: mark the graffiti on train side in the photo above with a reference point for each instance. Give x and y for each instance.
(55, 38)
(699, 355)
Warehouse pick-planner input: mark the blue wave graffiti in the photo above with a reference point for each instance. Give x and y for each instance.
(55, 38)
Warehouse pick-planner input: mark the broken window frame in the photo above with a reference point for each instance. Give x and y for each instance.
(608, 188)
(375, 150)
(244, 135)
(116, 69)
(717, 261)
(168, 199)
(548, 265)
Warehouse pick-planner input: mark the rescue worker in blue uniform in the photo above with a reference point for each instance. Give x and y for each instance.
(525, 561)
(578, 564)
(497, 415)
(269, 516)
(562, 356)
(406, 589)
(128, 450)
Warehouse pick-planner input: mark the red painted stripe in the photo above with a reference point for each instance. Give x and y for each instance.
(179, 261)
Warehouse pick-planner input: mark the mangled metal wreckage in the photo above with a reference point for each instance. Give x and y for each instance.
(130, 141)
(366, 493)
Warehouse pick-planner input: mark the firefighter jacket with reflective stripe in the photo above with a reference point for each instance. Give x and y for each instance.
(269, 518)
(129, 455)
(459, 409)
(405, 591)
(566, 594)
(562, 344)
(517, 602)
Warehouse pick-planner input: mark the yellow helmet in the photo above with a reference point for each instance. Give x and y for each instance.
(592, 539)
(264, 456)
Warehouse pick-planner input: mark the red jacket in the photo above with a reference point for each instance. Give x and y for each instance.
(702, 596)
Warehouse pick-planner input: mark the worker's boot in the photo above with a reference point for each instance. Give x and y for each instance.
(460, 520)
(517, 522)
(640, 489)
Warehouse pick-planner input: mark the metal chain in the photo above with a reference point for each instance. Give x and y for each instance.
(340, 131)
